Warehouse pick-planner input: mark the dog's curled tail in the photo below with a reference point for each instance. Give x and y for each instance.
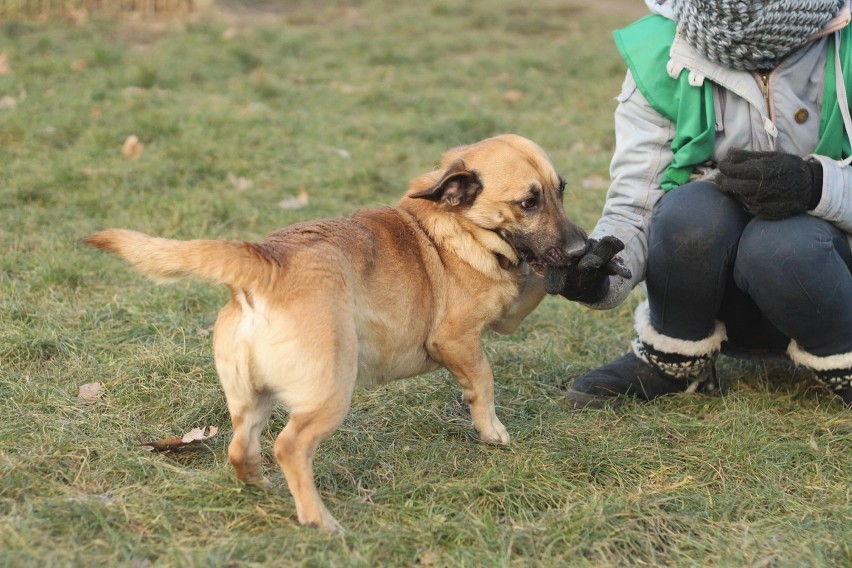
(235, 264)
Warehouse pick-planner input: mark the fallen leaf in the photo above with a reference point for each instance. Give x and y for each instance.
(428, 558)
(513, 96)
(91, 392)
(295, 202)
(340, 152)
(132, 148)
(199, 434)
(344, 88)
(813, 444)
(76, 17)
(193, 437)
(8, 102)
(229, 34)
(78, 64)
(239, 183)
(4, 64)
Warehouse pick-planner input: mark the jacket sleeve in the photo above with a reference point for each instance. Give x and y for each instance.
(835, 206)
(642, 153)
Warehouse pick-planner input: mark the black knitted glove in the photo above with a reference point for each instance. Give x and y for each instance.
(588, 280)
(771, 185)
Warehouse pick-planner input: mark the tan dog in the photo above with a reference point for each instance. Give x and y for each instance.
(385, 294)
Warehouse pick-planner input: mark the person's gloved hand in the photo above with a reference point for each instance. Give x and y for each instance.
(588, 280)
(771, 185)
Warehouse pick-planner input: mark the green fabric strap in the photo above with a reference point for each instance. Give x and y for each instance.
(833, 138)
(645, 46)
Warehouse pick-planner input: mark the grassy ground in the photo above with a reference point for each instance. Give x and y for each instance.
(348, 100)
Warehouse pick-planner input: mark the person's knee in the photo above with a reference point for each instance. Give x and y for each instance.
(777, 254)
(695, 220)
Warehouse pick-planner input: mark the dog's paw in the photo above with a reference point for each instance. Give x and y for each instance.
(334, 527)
(496, 434)
(324, 521)
(257, 482)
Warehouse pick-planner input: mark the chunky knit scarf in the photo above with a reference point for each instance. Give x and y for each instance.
(751, 34)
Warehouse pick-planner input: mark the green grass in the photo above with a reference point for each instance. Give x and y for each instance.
(349, 100)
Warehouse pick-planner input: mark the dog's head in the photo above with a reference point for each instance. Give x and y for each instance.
(507, 185)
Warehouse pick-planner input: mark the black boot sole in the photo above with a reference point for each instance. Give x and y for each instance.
(580, 400)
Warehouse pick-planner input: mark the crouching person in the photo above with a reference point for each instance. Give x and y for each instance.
(732, 194)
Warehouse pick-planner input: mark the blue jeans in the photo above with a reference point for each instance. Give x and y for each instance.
(769, 281)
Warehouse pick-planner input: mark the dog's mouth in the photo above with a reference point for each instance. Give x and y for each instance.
(537, 261)
(552, 257)
(537, 266)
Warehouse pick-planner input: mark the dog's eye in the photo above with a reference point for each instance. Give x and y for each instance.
(561, 185)
(529, 203)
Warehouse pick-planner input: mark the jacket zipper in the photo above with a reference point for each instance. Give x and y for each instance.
(764, 88)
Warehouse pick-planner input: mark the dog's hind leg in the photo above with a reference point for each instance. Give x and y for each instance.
(250, 411)
(318, 393)
(249, 419)
(249, 403)
(295, 449)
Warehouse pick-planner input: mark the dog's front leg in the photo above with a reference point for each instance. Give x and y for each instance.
(530, 296)
(469, 366)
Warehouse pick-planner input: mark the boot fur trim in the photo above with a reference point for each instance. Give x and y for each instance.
(703, 347)
(813, 362)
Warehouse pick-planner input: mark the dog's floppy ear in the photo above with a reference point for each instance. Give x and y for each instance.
(458, 186)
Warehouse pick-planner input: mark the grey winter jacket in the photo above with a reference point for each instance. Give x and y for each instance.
(780, 111)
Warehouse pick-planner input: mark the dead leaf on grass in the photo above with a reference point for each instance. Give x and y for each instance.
(193, 437)
(132, 148)
(76, 17)
(513, 96)
(340, 152)
(814, 445)
(91, 393)
(239, 183)
(4, 64)
(428, 558)
(344, 88)
(295, 202)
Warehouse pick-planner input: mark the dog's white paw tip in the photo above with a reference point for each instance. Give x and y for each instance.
(326, 522)
(337, 529)
(497, 438)
(331, 526)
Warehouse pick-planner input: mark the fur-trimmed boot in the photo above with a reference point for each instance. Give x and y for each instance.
(656, 365)
(833, 372)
